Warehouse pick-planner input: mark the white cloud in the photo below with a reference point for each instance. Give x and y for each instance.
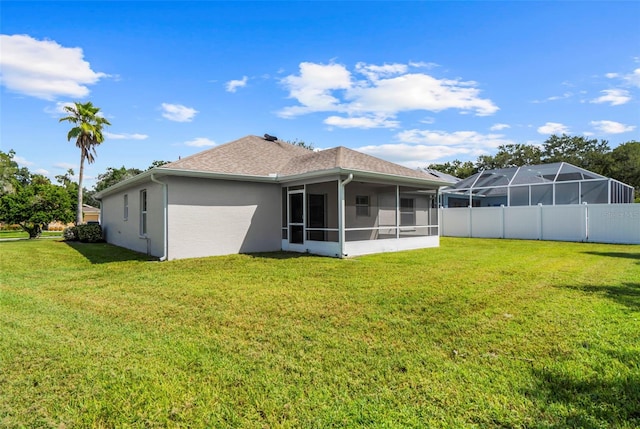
(564, 96)
(65, 165)
(58, 109)
(374, 72)
(22, 161)
(385, 91)
(178, 112)
(498, 127)
(414, 156)
(41, 171)
(633, 78)
(126, 136)
(200, 142)
(360, 122)
(553, 128)
(233, 85)
(44, 69)
(468, 139)
(614, 96)
(312, 88)
(611, 127)
(612, 75)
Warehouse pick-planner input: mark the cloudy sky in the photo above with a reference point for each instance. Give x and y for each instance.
(410, 82)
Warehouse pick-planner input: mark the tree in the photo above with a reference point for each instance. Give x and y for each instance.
(113, 176)
(456, 168)
(11, 175)
(301, 143)
(624, 165)
(66, 181)
(87, 131)
(589, 154)
(35, 204)
(510, 155)
(155, 164)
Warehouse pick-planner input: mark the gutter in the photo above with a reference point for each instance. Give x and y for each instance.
(165, 224)
(341, 190)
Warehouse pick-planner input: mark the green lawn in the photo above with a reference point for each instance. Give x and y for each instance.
(477, 333)
(23, 234)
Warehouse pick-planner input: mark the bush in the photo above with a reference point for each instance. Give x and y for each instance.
(89, 233)
(70, 233)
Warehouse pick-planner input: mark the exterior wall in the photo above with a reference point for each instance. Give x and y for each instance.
(126, 232)
(599, 223)
(216, 217)
(357, 248)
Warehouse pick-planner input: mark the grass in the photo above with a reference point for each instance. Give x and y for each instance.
(23, 234)
(476, 333)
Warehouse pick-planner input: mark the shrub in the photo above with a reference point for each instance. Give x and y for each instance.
(89, 233)
(70, 233)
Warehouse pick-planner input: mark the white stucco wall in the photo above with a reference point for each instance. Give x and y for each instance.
(216, 217)
(126, 232)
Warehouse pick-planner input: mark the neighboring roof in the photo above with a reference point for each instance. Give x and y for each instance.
(86, 208)
(441, 175)
(258, 159)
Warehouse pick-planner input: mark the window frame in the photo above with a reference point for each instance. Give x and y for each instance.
(143, 212)
(125, 203)
(363, 209)
(406, 211)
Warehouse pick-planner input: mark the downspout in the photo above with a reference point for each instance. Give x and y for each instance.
(341, 192)
(164, 217)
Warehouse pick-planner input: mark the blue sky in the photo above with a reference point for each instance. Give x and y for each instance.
(410, 82)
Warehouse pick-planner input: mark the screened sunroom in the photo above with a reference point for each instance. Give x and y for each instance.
(546, 184)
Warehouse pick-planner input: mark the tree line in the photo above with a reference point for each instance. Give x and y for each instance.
(33, 201)
(621, 163)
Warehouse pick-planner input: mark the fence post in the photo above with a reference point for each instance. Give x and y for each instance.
(586, 221)
(502, 235)
(470, 222)
(540, 235)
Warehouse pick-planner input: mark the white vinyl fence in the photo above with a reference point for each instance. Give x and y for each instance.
(598, 223)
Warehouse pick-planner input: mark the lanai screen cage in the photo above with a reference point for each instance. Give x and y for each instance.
(546, 184)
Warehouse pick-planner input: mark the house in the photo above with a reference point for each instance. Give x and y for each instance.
(90, 214)
(556, 183)
(261, 194)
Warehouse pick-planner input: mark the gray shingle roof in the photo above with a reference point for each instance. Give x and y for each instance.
(255, 156)
(250, 155)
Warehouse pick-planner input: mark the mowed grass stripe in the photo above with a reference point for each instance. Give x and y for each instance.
(474, 333)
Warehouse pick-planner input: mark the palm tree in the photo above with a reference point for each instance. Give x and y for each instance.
(87, 131)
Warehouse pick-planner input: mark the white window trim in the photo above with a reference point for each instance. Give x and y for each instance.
(143, 213)
(362, 206)
(126, 207)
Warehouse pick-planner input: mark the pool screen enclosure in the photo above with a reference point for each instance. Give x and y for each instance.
(546, 184)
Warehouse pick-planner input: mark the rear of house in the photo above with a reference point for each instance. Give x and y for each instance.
(261, 195)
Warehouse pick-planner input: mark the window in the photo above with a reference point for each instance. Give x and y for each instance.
(362, 205)
(407, 212)
(126, 206)
(143, 212)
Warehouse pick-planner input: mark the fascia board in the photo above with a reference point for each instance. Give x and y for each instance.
(361, 174)
(164, 172)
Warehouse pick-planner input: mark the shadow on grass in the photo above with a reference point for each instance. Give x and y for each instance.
(280, 255)
(593, 401)
(104, 253)
(624, 255)
(627, 294)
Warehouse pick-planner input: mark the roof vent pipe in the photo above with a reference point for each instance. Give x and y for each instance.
(270, 138)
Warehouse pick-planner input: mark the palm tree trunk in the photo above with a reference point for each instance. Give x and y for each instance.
(79, 212)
